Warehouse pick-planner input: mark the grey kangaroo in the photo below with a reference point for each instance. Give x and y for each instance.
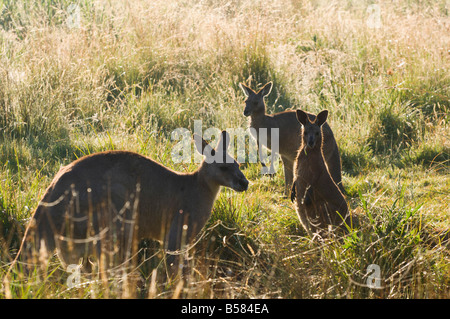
(106, 202)
(328, 207)
(290, 134)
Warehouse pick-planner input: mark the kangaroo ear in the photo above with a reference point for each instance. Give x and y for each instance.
(202, 146)
(247, 91)
(224, 142)
(266, 89)
(302, 117)
(322, 117)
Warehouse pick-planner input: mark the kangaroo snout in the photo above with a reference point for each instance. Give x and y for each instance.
(311, 142)
(239, 182)
(247, 112)
(242, 185)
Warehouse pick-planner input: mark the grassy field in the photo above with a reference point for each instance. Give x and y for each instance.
(106, 75)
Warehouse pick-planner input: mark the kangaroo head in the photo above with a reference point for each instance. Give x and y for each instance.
(311, 128)
(255, 101)
(218, 166)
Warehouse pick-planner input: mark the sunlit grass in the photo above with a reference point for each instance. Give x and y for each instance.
(128, 73)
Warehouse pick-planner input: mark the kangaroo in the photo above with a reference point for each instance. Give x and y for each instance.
(106, 202)
(290, 134)
(328, 207)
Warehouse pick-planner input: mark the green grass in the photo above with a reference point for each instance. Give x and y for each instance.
(130, 74)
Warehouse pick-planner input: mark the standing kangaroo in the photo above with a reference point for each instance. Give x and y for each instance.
(106, 202)
(328, 206)
(290, 134)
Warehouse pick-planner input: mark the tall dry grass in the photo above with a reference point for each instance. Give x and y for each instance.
(129, 73)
